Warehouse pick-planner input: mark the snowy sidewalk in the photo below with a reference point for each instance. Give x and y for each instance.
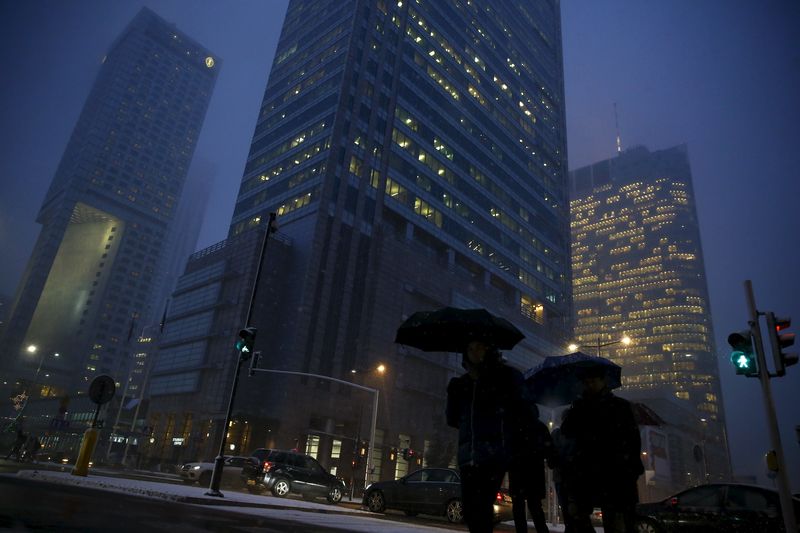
(345, 517)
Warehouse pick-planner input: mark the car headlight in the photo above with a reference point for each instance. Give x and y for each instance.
(196, 467)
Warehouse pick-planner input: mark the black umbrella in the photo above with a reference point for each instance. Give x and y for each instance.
(557, 380)
(450, 330)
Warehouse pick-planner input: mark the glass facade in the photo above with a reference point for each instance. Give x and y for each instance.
(447, 114)
(101, 261)
(638, 271)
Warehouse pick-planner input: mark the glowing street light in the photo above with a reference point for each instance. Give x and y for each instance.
(31, 348)
(625, 340)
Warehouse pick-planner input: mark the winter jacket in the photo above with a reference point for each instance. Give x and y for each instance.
(485, 411)
(607, 444)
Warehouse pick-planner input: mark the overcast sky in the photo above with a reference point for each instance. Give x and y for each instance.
(722, 76)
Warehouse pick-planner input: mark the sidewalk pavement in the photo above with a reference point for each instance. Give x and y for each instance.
(168, 487)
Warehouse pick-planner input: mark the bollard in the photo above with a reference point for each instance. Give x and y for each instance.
(87, 449)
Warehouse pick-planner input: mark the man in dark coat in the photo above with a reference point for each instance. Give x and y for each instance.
(484, 404)
(526, 475)
(607, 459)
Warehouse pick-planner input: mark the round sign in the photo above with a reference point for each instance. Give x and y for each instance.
(102, 389)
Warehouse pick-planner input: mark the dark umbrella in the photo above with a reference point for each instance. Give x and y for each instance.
(557, 380)
(450, 330)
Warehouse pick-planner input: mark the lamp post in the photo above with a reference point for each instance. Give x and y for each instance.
(373, 423)
(625, 340)
(706, 473)
(31, 349)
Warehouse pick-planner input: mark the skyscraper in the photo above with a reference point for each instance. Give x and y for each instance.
(414, 153)
(92, 278)
(638, 270)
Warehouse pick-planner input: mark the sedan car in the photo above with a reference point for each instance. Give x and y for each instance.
(282, 472)
(434, 491)
(200, 472)
(717, 507)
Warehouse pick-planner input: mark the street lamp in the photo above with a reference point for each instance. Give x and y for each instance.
(373, 424)
(31, 348)
(625, 340)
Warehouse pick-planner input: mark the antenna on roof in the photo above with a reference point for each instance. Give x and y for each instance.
(616, 122)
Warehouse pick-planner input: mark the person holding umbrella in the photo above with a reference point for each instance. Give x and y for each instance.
(533, 445)
(485, 405)
(607, 461)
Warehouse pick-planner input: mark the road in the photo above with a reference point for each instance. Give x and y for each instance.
(33, 505)
(66, 503)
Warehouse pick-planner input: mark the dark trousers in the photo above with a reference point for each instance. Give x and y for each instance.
(617, 500)
(563, 503)
(523, 487)
(479, 487)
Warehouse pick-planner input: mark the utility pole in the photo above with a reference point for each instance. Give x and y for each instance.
(782, 479)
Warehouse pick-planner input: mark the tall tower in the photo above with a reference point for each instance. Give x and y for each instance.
(638, 270)
(92, 278)
(414, 153)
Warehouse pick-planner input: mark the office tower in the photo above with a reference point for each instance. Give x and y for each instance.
(414, 153)
(107, 218)
(638, 270)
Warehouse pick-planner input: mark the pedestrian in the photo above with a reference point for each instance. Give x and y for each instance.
(526, 477)
(484, 404)
(16, 448)
(607, 456)
(561, 461)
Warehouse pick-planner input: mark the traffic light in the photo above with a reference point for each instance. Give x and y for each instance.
(254, 363)
(362, 448)
(780, 341)
(247, 339)
(393, 452)
(408, 454)
(743, 357)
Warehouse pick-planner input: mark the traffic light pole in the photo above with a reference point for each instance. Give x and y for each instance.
(219, 462)
(784, 492)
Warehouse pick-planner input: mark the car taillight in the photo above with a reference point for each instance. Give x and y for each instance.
(266, 466)
(499, 496)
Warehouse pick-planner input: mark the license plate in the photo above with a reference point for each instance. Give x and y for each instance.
(251, 481)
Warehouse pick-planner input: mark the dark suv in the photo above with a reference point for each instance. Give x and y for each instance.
(283, 472)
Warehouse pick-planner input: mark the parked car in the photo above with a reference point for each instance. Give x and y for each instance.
(200, 472)
(283, 472)
(717, 507)
(434, 491)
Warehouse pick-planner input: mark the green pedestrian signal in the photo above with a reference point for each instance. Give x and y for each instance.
(244, 345)
(743, 356)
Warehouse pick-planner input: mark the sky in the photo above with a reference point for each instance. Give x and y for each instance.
(722, 76)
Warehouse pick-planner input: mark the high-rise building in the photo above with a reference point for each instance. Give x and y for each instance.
(637, 270)
(96, 270)
(414, 153)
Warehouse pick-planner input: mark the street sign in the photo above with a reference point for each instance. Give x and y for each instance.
(102, 389)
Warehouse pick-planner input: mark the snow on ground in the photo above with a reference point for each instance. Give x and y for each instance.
(337, 516)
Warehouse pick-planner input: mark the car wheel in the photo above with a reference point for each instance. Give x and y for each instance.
(376, 502)
(335, 494)
(280, 488)
(647, 526)
(454, 511)
(205, 479)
